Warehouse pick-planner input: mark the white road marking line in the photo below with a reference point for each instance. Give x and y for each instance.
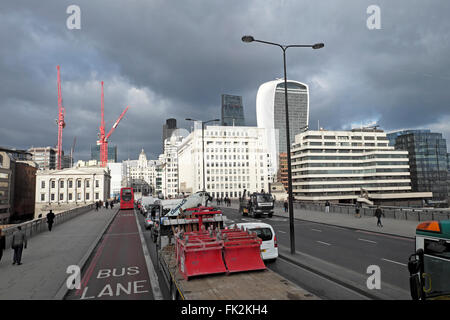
(282, 231)
(325, 243)
(317, 230)
(154, 283)
(360, 239)
(402, 264)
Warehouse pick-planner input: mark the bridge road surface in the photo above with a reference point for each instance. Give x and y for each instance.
(343, 252)
(117, 268)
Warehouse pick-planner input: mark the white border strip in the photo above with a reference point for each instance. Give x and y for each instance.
(150, 268)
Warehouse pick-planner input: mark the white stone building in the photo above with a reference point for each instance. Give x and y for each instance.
(117, 172)
(169, 165)
(236, 158)
(141, 174)
(61, 190)
(343, 166)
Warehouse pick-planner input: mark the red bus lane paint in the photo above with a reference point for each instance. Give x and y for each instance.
(118, 269)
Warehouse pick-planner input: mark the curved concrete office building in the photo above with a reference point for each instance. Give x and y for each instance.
(270, 109)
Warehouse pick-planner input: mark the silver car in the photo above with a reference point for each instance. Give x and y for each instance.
(148, 222)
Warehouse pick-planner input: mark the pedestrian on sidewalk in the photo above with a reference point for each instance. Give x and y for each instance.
(19, 241)
(97, 204)
(106, 204)
(378, 214)
(2, 244)
(327, 206)
(285, 206)
(357, 209)
(50, 220)
(111, 204)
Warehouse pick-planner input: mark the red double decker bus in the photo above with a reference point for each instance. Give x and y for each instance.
(126, 199)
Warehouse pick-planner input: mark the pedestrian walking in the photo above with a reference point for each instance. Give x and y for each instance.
(50, 220)
(357, 209)
(106, 204)
(327, 206)
(378, 214)
(97, 204)
(285, 206)
(111, 204)
(2, 244)
(19, 241)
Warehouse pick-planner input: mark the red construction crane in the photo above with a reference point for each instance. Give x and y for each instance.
(103, 139)
(61, 123)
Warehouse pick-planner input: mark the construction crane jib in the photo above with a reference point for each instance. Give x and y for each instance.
(103, 139)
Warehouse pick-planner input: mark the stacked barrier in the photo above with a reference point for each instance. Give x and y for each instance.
(216, 251)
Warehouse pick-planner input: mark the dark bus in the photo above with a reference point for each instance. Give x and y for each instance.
(126, 199)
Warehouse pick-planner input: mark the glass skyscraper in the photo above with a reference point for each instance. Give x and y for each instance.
(232, 111)
(427, 152)
(112, 153)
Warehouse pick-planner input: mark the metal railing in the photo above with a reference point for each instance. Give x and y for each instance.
(399, 213)
(36, 226)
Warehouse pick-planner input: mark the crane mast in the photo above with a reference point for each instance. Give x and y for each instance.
(61, 123)
(103, 139)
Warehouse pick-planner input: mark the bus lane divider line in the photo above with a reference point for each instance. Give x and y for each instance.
(157, 294)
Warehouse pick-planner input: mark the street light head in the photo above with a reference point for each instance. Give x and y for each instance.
(189, 119)
(216, 119)
(318, 46)
(248, 39)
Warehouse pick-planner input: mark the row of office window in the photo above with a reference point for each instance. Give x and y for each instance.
(69, 196)
(359, 164)
(69, 183)
(328, 137)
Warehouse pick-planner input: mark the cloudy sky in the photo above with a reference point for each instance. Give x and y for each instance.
(173, 58)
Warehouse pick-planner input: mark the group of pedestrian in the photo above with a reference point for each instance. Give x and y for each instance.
(99, 204)
(226, 201)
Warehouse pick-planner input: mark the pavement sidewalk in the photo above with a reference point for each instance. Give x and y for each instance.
(48, 255)
(403, 228)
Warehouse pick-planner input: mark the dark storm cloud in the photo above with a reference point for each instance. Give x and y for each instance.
(174, 58)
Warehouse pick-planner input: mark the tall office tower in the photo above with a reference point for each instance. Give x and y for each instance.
(112, 153)
(270, 109)
(45, 157)
(427, 153)
(168, 128)
(232, 111)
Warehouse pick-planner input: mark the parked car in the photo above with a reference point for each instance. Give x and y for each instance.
(269, 245)
(148, 222)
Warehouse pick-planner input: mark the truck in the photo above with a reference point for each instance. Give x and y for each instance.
(257, 204)
(257, 283)
(429, 265)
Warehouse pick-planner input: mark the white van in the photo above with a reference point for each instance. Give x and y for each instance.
(269, 246)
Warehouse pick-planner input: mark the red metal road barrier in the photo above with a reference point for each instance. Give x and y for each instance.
(202, 252)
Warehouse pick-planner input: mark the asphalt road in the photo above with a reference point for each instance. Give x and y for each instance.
(344, 253)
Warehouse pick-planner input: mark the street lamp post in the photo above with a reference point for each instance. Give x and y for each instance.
(288, 144)
(203, 144)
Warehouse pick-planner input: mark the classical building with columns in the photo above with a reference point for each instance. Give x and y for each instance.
(66, 189)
